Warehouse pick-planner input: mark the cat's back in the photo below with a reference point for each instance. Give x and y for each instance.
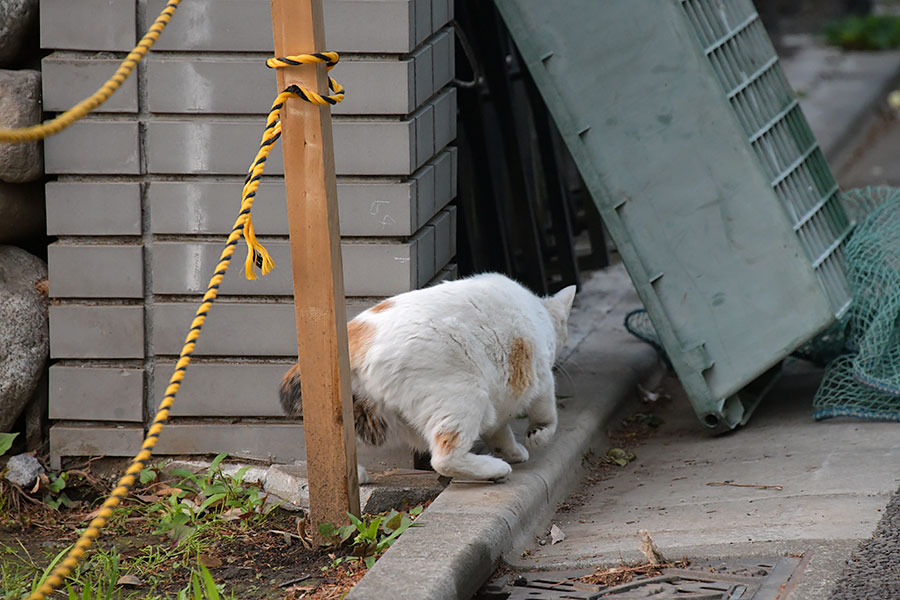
(488, 296)
(481, 314)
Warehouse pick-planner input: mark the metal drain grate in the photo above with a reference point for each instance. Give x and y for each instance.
(741, 579)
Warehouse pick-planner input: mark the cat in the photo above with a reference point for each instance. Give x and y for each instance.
(439, 367)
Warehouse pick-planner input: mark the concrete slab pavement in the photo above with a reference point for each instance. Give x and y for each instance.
(838, 90)
(830, 482)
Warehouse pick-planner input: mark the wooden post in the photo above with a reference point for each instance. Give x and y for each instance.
(309, 177)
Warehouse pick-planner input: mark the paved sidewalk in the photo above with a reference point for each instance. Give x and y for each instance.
(462, 535)
(827, 484)
(838, 90)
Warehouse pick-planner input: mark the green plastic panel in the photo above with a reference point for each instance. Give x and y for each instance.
(706, 174)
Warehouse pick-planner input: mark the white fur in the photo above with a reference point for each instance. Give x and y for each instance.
(438, 363)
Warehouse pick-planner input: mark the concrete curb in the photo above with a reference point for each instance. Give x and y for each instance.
(470, 526)
(839, 91)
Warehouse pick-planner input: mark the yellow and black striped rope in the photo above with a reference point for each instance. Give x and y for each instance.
(57, 124)
(329, 58)
(243, 226)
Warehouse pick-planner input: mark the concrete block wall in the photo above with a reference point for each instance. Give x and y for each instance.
(147, 188)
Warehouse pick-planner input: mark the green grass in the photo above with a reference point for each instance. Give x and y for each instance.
(869, 32)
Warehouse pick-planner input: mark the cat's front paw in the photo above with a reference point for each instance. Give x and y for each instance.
(538, 436)
(515, 454)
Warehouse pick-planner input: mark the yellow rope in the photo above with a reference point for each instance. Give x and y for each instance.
(242, 226)
(42, 130)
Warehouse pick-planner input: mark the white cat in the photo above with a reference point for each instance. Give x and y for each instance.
(440, 367)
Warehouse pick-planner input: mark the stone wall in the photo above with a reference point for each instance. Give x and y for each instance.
(146, 189)
(23, 298)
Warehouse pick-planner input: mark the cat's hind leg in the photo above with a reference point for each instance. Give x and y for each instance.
(450, 438)
(504, 443)
(450, 458)
(542, 416)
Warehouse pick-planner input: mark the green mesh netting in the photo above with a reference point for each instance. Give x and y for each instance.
(864, 380)
(862, 350)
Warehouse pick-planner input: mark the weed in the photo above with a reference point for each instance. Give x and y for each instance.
(202, 587)
(54, 496)
(373, 536)
(6, 442)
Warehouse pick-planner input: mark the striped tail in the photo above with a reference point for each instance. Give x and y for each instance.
(371, 427)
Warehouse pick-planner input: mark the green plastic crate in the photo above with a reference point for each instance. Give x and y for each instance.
(706, 174)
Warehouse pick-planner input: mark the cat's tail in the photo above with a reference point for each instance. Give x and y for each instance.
(290, 392)
(370, 427)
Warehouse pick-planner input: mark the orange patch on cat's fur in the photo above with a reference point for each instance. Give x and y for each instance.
(446, 442)
(382, 306)
(359, 338)
(520, 371)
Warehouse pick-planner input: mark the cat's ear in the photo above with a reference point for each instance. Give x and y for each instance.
(565, 297)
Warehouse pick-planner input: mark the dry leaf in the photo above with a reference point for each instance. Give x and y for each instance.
(93, 514)
(165, 490)
(209, 561)
(556, 535)
(148, 498)
(232, 514)
(129, 580)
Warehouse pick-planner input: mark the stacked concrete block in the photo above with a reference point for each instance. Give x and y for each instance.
(148, 187)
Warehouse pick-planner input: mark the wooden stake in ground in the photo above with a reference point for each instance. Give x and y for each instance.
(309, 177)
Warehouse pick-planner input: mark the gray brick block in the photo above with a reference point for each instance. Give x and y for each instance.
(426, 184)
(233, 389)
(96, 393)
(228, 147)
(67, 80)
(375, 147)
(442, 245)
(66, 440)
(368, 208)
(198, 207)
(206, 147)
(453, 229)
(94, 146)
(423, 20)
(185, 268)
(443, 187)
(454, 172)
(375, 208)
(440, 13)
(75, 25)
(78, 331)
(377, 87)
(89, 208)
(445, 118)
(231, 329)
(216, 25)
(424, 134)
(95, 270)
(366, 272)
(275, 442)
(181, 84)
(423, 58)
(443, 58)
(387, 26)
(425, 249)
